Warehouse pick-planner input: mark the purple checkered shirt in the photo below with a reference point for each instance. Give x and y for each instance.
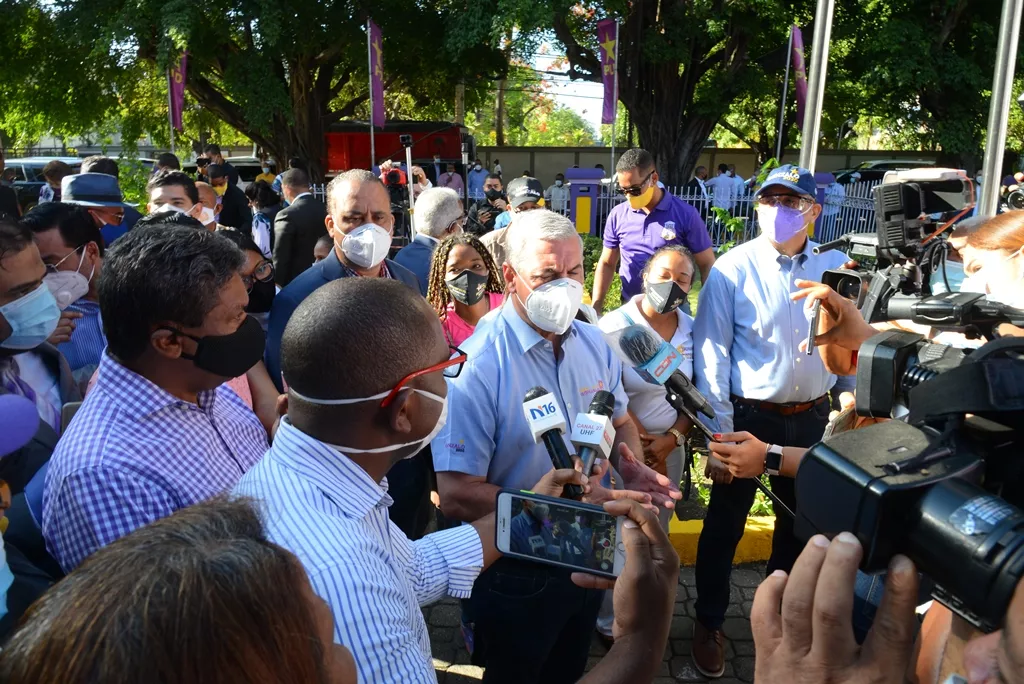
(134, 454)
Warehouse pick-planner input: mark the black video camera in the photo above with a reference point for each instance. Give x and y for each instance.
(911, 209)
(944, 484)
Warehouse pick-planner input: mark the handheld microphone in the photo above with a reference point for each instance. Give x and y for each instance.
(547, 423)
(656, 362)
(593, 433)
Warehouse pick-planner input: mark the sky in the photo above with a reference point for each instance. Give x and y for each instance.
(583, 97)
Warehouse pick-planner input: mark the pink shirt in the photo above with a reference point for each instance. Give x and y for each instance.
(458, 330)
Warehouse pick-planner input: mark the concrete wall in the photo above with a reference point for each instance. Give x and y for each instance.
(545, 162)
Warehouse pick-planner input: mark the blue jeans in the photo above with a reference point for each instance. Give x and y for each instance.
(867, 596)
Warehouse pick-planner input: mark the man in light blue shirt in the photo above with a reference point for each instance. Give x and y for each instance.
(748, 364)
(322, 486)
(531, 623)
(475, 180)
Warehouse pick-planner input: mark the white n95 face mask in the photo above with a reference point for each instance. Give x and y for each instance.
(553, 306)
(68, 287)
(420, 444)
(367, 245)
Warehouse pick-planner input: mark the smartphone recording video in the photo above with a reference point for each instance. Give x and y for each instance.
(559, 532)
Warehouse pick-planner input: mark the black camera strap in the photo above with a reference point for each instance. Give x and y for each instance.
(984, 386)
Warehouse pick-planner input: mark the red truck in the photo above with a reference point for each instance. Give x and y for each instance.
(348, 144)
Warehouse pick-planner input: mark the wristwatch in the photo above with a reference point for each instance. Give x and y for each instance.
(773, 459)
(680, 437)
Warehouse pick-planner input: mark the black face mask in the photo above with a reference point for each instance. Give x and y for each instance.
(665, 297)
(228, 356)
(261, 297)
(493, 194)
(467, 287)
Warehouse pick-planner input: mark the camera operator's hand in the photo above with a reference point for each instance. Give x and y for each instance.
(500, 204)
(643, 597)
(999, 657)
(841, 328)
(811, 639)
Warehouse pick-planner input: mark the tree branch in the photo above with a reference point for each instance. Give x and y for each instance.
(583, 63)
(739, 134)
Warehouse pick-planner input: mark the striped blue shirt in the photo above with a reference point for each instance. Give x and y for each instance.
(85, 348)
(330, 513)
(747, 332)
(134, 453)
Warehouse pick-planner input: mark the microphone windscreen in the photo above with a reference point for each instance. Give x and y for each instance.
(19, 421)
(534, 394)
(602, 404)
(639, 346)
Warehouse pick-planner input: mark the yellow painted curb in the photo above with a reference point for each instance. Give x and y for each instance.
(756, 544)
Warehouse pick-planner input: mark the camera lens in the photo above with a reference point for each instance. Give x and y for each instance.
(1015, 200)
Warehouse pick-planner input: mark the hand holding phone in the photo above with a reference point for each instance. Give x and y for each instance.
(559, 532)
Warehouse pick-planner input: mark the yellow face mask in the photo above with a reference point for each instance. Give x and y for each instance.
(642, 200)
(220, 189)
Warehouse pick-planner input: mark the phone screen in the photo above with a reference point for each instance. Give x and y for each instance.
(541, 529)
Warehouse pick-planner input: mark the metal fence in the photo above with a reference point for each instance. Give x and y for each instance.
(847, 209)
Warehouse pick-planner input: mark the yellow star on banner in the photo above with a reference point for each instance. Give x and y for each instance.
(378, 71)
(609, 49)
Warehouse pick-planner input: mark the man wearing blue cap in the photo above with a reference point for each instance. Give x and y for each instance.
(748, 364)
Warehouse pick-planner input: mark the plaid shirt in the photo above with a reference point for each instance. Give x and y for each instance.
(384, 272)
(134, 454)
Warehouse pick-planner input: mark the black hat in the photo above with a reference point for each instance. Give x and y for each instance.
(525, 189)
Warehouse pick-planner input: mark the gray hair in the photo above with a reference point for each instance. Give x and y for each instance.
(436, 210)
(529, 227)
(353, 176)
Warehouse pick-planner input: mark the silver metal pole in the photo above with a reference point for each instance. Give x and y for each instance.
(369, 64)
(615, 87)
(409, 181)
(999, 110)
(785, 93)
(170, 108)
(816, 84)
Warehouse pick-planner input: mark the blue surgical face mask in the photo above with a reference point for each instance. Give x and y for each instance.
(954, 274)
(32, 318)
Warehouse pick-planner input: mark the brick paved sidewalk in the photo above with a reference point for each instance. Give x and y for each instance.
(451, 660)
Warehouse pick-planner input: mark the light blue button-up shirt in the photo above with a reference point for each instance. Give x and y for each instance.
(487, 433)
(748, 330)
(330, 513)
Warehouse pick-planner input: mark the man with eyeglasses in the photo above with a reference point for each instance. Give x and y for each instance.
(650, 219)
(101, 195)
(72, 249)
(357, 406)
(527, 622)
(747, 363)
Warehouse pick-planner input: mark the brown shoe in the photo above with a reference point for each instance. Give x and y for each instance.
(708, 650)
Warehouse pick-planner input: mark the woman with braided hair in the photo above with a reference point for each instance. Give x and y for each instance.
(464, 284)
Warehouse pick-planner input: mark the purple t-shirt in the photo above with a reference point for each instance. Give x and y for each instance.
(638, 235)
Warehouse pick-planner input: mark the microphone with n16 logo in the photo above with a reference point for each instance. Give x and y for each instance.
(547, 424)
(656, 361)
(593, 433)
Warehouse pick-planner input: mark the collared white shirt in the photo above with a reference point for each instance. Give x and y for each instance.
(300, 196)
(330, 513)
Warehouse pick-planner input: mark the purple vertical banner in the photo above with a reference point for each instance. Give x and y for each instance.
(377, 75)
(177, 89)
(606, 30)
(800, 69)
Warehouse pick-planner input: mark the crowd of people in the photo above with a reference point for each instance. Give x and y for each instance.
(229, 424)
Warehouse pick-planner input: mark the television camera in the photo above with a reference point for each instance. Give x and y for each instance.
(942, 480)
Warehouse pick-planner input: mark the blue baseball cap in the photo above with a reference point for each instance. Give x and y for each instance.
(793, 177)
